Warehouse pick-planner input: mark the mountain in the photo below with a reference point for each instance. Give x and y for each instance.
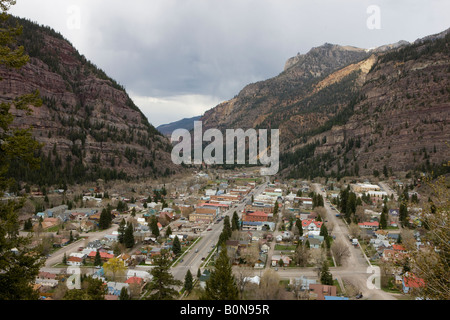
(348, 111)
(88, 124)
(186, 123)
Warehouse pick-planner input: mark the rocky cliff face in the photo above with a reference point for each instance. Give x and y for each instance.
(87, 120)
(349, 111)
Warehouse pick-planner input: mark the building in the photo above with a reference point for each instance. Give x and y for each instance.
(364, 187)
(321, 290)
(255, 216)
(206, 215)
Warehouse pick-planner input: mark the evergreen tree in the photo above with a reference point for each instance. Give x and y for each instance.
(275, 208)
(383, 217)
(168, 231)
(124, 294)
(326, 277)
(403, 214)
(128, 238)
(235, 221)
(298, 224)
(221, 284)
(226, 232)
(188, 281)
(64, 261)
(154, 226)
(18, 270)
(121, 231)
(105, 219)
(176, 246)
(199, 273)
(161, 285)
(97, 259)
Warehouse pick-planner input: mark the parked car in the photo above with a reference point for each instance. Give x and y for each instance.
(359, 296)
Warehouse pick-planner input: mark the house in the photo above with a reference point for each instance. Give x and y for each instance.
(321, 290)
(315, 243)
(265, 248)
(60, 241)
(126, 258)
(392, 255)
(311, 226)
(87, 225)
(114, 288)
(137, 282)
(74, 261)
(411, 282)
(144, 275)
(303, 282)
(399, 248)
(104, 256)
(369, 225)
(48, 223)
(276, 260)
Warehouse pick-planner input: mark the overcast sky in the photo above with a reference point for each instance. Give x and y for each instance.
(179, 58)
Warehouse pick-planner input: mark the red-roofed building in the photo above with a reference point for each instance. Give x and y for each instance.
(311, 225)
(136, 280)
(399, 247)
(411, 281)
(103, 255)
(369, 225)
(255, 216)
(74, 261)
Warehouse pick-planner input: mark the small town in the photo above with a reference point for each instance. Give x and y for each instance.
(224, 158)
(287, 240)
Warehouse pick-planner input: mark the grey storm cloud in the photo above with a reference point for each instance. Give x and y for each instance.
(167, 48)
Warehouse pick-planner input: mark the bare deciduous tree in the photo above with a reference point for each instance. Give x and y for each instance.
(340, 251)
(302, 255)
(353, 230)
(269, 287)
(242, 276)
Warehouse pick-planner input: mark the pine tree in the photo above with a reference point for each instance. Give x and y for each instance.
(121, 231)
(403, 214)
(168, 231)
(383, 218)
(275, 208)
(97, 259)
(124, 294)
(176, 246)
(161, 285)
(188, 281)
(128, 238)
(105, 219)
(18, 270)
(235, 222)
(154, 226)
(326, 277)
(299, 226)
(221, 284)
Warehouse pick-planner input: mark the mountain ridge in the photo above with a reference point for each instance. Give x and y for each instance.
(319, 98)
(88, 124)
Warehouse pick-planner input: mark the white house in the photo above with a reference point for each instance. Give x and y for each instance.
(74, 261)
(311, 227)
